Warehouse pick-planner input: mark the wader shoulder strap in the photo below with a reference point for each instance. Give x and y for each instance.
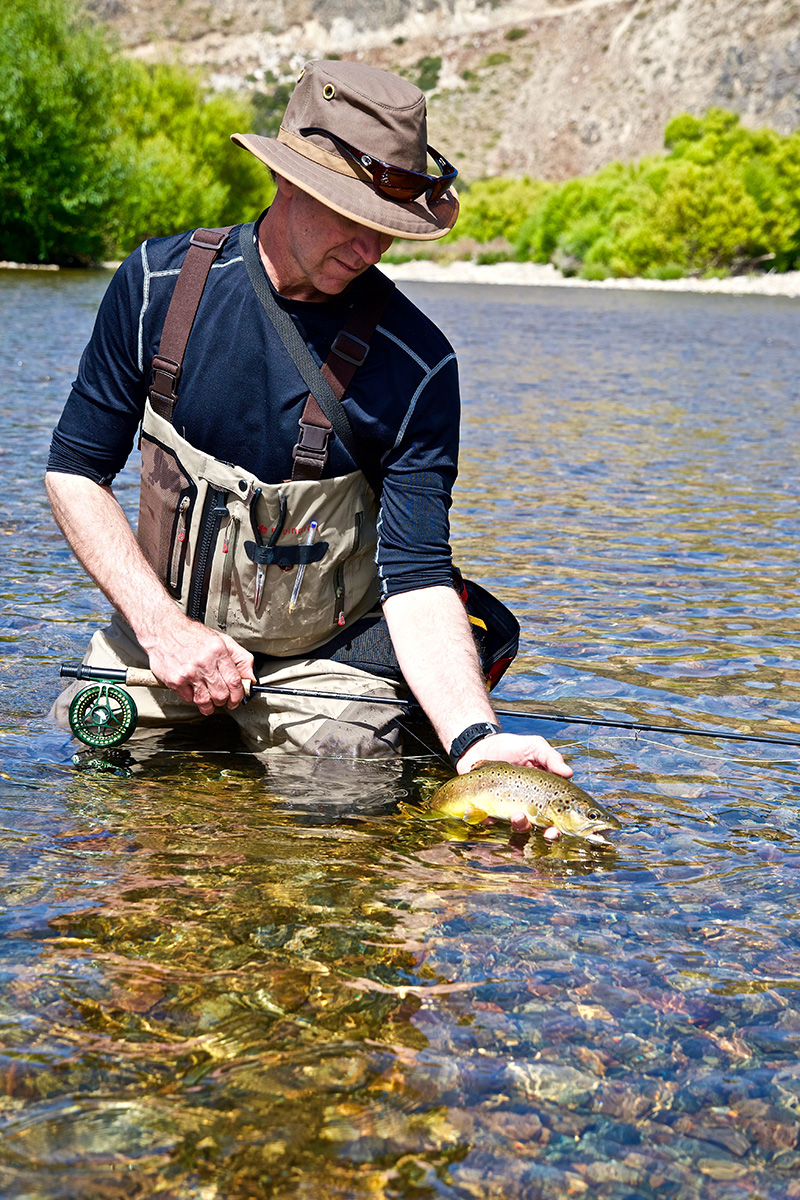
(204, 247)
(323, 412)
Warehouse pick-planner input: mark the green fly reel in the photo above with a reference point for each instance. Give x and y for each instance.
(102, 715)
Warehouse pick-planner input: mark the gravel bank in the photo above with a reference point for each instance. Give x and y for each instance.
(540, 275)
(545, 275)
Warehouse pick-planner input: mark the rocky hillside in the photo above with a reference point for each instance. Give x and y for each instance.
(549, 88)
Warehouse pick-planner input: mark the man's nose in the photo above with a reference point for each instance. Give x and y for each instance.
(371, 244)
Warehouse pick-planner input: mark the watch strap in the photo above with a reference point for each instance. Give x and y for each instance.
(469, 736)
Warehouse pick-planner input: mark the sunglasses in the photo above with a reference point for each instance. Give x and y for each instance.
(397, 183)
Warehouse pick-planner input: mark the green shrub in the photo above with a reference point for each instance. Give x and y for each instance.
(493, 208)
(498, 59)
(98, 152)
(428, 69)
(723, 199)
(183, 169)
(58, 173)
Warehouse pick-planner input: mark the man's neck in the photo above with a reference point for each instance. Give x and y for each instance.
(284, 274)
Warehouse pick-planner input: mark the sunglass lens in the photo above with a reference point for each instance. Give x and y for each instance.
(398, 184)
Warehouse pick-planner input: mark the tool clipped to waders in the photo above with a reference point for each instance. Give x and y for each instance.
(253, 549)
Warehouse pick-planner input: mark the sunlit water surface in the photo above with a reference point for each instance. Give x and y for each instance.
(220, 981)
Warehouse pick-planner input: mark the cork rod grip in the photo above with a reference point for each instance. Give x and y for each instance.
(140, 677)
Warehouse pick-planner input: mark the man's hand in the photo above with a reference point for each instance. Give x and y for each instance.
(517, 749)
(204, 667)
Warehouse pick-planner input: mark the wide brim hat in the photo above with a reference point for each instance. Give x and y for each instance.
(382, 115)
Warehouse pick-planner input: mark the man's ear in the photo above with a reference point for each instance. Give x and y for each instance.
(283, 185)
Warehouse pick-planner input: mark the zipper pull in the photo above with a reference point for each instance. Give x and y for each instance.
(341, 619)
(182, 519)
(180, 538)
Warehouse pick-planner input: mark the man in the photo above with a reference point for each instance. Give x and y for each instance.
(266, 565)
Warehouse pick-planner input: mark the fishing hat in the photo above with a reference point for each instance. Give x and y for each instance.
(355, 138)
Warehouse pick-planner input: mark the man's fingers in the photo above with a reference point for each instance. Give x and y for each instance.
(204, 667)
(203, 699)
(242, 659)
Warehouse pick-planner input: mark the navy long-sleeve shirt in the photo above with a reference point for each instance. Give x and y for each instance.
(240, 397)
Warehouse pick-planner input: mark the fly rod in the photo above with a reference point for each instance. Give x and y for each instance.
(109, 713)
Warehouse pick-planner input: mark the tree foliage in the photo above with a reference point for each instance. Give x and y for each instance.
(493, 208)
(98, 152)
(58, 122)
(724, 198)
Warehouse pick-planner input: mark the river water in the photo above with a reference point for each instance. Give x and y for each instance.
(226, 982)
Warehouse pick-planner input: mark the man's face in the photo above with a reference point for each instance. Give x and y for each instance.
(323, 251)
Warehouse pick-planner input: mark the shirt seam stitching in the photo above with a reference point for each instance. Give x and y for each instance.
(410, 412)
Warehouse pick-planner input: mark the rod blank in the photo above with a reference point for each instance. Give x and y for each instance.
(139, 677)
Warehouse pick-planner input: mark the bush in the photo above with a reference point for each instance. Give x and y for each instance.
(723, 199)
(97, 152)
(493, 208)
(182, 168)
(58, 174)
(428, 71)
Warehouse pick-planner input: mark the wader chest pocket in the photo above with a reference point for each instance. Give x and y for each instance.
(165, 514)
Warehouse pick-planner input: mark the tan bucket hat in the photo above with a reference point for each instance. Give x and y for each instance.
(367, 122)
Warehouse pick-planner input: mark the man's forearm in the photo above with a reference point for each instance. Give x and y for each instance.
(94, 524)
(436, 651)
(202, 666)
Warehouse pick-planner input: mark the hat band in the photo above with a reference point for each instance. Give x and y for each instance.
(334, 162)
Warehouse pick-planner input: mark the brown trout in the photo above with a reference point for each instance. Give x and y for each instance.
(502, 791)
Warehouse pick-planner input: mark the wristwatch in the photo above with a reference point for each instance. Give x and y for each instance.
(471, 735)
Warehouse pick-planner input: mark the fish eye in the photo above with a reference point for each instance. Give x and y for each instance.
(593, 814)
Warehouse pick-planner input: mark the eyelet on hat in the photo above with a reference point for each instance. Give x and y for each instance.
(329, 91)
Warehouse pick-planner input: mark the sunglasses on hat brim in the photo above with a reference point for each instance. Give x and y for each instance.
(396, 183)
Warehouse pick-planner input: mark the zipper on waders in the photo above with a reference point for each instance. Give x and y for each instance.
(179, 543)
(338, 583)
(214, 512)
(338, 588)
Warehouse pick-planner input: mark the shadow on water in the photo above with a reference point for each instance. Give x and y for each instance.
(224, 980)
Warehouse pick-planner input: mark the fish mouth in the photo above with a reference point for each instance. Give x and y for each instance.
(598, 839)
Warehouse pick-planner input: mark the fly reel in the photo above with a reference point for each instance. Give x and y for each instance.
(103, 715)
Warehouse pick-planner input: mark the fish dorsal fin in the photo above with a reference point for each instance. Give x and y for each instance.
(485, 762)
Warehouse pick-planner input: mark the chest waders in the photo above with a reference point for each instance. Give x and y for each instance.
(231, 548)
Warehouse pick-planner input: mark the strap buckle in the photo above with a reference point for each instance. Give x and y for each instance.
(206, 243)
(354, 343)
(311, 450)
(164, 379)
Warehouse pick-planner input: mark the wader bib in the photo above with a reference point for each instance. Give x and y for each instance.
(229, 547)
